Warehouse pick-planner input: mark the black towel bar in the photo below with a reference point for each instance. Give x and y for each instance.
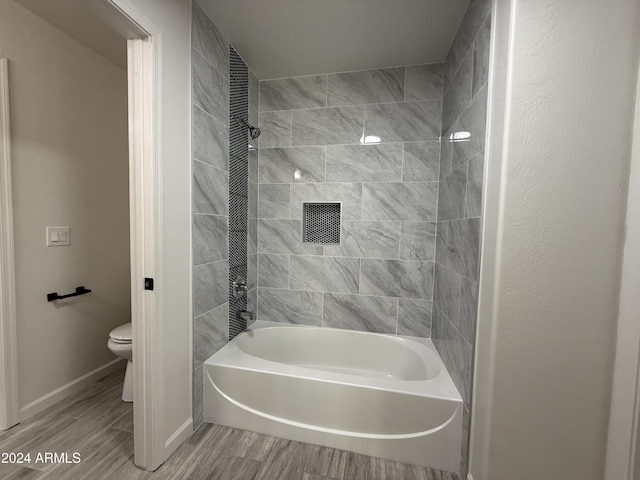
(79, 291)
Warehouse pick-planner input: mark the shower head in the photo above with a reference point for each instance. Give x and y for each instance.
(254, 132)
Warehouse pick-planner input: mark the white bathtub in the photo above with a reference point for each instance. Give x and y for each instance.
(370, 393)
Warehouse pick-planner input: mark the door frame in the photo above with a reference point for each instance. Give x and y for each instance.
(621, 461)
(144, 73)
(9, 405)
(148, 411)
(144, 47)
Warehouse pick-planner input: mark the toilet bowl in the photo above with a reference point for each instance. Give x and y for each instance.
(120, 343)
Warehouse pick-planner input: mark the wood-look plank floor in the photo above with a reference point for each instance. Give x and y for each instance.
(99, 426)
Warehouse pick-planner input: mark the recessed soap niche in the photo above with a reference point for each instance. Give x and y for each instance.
(321, 222)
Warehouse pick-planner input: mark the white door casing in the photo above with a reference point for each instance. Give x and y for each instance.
(144, 47)
(9, 406)
(625, 396)
(143, 69)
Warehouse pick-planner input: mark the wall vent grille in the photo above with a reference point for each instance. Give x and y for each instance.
(321, 223)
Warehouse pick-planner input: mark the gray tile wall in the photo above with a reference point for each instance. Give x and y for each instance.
(380, 278)
(459, 201)
(394, 271)
(210, 152)
(252, 228)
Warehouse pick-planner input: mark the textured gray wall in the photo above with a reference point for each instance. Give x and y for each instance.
(380, 278)
(459, 201)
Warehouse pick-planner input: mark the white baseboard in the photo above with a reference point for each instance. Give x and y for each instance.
(75, 386)
(178, 437)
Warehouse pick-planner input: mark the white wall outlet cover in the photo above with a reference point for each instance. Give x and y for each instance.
(58, 236)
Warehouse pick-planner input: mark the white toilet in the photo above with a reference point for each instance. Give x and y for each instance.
(119, 343)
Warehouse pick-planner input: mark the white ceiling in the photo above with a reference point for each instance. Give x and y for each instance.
(77, 19)
(282, 38)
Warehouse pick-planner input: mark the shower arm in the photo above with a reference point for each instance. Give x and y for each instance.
(253, 131)
(241, 121)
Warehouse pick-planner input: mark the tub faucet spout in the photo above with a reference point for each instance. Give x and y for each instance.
(246, 316)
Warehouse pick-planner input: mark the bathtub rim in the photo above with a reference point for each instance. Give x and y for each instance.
(414, 351)
(440, 387)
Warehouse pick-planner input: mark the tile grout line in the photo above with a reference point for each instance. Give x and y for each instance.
(465, 206)
(224, 124)
(467, 108)
(404, 84)
(354, 105)
(355, 144)
(211, 263)
(402, 168)
(291, 129)
(211, 166)
(364, 124)
(203, 214)
(352, 71)
(326, 153)
(348, 144)
(326, 91)
(435, 245)
(346, 220)
(397, 314)
(356, 182)
(226, 77)
(319, 255)
(471, 47)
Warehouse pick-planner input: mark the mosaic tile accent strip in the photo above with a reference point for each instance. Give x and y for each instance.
(238, 185)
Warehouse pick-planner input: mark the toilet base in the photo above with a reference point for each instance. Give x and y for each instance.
(127, 386)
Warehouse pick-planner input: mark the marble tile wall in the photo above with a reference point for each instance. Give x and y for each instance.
(409, 256)
(318, 144)
(210, 161)
(252, 237)
(459, 202)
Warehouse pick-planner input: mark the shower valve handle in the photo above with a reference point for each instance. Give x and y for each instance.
(239, 287)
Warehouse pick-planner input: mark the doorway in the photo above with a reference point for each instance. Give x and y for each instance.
(144, 208)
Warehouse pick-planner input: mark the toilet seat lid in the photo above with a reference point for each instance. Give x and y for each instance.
(122, 333)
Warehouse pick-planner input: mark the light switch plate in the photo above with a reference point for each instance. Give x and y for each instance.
(58, 236)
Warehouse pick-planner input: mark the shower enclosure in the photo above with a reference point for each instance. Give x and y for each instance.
(398, 153)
